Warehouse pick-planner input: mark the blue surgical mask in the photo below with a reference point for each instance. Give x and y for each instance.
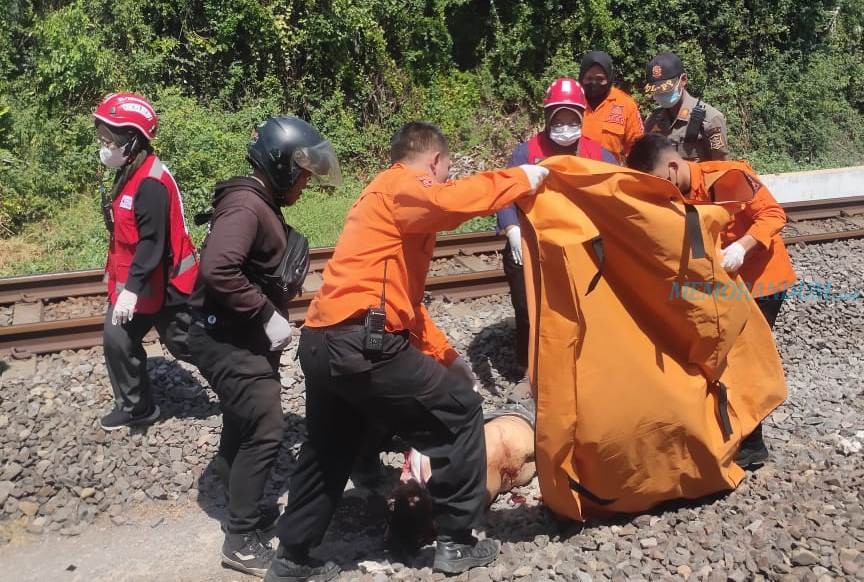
(668, 99)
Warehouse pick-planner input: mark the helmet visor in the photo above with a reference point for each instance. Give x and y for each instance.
(321, 160)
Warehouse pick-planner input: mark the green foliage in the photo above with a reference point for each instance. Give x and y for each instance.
(788, 74)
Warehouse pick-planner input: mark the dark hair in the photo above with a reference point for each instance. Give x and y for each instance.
(411, 523)
(416, 137)
(647, 151)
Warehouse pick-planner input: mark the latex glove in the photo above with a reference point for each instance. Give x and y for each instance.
(124, 307)
(536, 174)
(279, 331)
(733, 257)
(463, 369)
(514, 237)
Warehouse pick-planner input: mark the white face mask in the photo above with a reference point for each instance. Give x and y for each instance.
(565, 135)
(112, 157)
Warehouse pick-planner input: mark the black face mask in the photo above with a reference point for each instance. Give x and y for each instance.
(595, 92)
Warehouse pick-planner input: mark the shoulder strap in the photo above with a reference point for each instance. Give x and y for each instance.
(694, 126)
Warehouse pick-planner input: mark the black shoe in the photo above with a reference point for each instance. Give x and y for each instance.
(119, 418)
(454, 558)
(753, 452)
(247, 553)
(290, 568)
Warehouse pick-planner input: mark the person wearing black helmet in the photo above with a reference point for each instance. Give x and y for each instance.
(251, 265)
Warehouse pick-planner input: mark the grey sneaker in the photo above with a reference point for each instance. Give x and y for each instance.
(247, 553)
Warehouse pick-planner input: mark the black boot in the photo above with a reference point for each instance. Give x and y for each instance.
(296, 566)
(456, 555)
(753, 452)
(246, 553)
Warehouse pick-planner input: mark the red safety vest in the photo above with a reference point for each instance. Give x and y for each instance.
(541, 147)
(183, 267)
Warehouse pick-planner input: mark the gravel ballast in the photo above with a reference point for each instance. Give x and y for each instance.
(801, 517)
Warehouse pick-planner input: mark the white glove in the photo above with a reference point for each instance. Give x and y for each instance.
(514, 237)
(463, 368)
(279, 331)
(733, 257)
(536, 174)
(124, 307)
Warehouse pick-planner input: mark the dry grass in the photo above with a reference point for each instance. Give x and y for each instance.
(16, 251)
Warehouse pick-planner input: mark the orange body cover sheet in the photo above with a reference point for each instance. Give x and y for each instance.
(627, 376)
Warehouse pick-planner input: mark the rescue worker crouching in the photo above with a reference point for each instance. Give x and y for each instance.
(240, 319)
(370, 353)
(151, 265)
(752, 245)
(563, 109)
(697, 130)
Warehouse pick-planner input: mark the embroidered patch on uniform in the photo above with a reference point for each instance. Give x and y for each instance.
(126, 202)
(715, 140)
(657, 71)
(616, 115)
(426, 181)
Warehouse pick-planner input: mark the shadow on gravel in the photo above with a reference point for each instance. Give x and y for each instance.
(494, 347)
(212, 485)
(178, 393)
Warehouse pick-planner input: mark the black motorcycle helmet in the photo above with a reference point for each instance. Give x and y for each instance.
(282, 147)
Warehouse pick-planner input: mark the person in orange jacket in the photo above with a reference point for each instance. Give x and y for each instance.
(372, 356)
(752, 245)
(612, 116)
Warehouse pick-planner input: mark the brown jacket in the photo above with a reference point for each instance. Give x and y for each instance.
(245, 235)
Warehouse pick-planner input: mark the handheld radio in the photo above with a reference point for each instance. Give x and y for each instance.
(376, 317)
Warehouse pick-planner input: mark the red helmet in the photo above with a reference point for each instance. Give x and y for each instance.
(565, 92)
(128, 110)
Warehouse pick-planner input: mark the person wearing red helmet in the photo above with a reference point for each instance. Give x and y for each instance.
(151, 265)
(563, 109)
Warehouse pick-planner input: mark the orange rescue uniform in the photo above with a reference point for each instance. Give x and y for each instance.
(616, 123)
(394, 222)
(767, 268)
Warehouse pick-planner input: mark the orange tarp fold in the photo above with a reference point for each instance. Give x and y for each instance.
(649, 363)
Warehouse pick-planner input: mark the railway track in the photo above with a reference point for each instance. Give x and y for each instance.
(29, 335)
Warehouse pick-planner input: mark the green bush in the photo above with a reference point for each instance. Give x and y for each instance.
(788, 75)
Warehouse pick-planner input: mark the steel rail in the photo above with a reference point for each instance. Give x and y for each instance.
(84, 332)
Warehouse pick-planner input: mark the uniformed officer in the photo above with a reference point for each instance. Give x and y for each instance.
(611, 116)
(371, 355)
(240, 323)
(697, 130)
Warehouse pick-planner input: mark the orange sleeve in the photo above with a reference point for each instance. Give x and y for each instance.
(633, 127)
(767, 215)
(430, 340)
(427, 209)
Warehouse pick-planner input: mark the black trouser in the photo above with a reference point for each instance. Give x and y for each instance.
(126, 359)
(244, 373)
(770, 307)
(406, 392)
(516, 279)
